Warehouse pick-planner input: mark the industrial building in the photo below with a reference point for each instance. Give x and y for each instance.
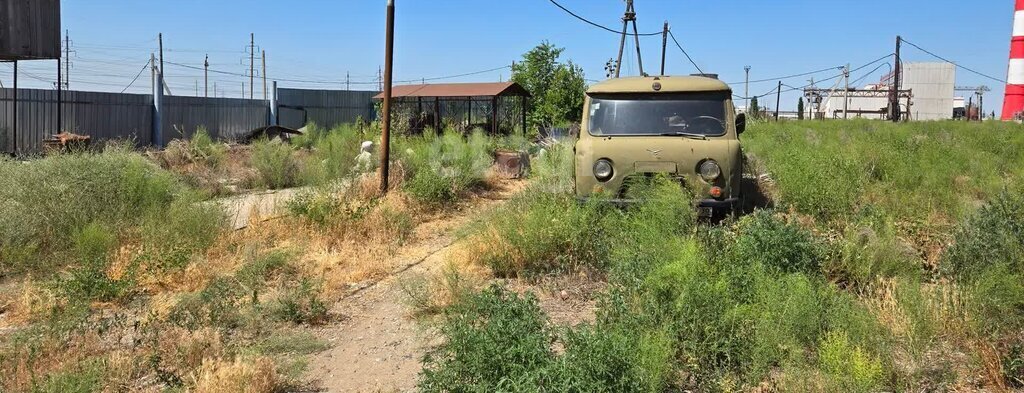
(931, 87)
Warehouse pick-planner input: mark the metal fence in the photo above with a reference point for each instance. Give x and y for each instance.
(106, 116)
(224, 118)
(326, 108)
(102, 115)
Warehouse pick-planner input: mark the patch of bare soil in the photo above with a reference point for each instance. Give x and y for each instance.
(377, 344)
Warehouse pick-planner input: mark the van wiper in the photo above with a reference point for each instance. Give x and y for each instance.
(687, 135)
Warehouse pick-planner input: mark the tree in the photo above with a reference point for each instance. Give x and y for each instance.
(557, 89)
(754, 111)
(800, 109)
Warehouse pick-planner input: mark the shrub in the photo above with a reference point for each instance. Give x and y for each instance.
(540, 233)
(767, 240)
(607, 359)
(300, 304)
(276, 164)
(172, 237)
(333, 153)
(89, 279)
(849, 367)
(83, 378)
(440, 168)
(993, 235)
(494, 341)
(554, 171)
(45, 202)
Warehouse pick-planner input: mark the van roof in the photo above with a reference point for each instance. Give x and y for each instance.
(669, 84)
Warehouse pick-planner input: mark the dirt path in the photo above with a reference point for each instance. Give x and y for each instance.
(376, 346)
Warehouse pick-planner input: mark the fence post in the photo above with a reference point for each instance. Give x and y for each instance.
(158, 98)
(274, 121)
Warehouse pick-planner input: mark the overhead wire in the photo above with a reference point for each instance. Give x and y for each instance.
(684, 52)
(954, 63)
(598, 25)
(136, 76)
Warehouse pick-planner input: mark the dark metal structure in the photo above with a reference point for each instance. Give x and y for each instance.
(499, 108)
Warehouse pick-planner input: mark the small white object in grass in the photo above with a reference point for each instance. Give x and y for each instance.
(364, 161)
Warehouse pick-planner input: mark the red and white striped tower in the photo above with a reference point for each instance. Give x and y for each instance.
(1014, 101)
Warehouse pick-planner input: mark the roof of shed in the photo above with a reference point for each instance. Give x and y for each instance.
(457, 90)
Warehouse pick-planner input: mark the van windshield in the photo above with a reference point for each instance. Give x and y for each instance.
(658, 114)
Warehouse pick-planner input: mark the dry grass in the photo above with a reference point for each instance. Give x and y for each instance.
(237, 376)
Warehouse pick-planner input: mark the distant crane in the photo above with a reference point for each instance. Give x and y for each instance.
(978, 91)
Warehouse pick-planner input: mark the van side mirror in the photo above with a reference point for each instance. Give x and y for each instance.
(741, 123)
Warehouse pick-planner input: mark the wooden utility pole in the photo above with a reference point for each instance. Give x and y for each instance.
(252, 64)
(263, 56)
(664, 47)
(206, 77)
(896, 114)
(746, 88)
(385, 145)
(846, 91)
(778, 101)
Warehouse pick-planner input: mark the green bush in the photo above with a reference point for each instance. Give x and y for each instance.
(173, 237)
(89, 280)
(850, 368)
(993, 236)
(332, 153)
(599, 359)
(45, 202)
(276, 164)
(765, 239)
(538, 233)
(300, 304)
(494, 341)
(83, 378)
(440, 168)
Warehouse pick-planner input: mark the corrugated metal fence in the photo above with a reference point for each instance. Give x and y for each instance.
(101, 115)
(326, 108)
(107, 116)
(224, 118)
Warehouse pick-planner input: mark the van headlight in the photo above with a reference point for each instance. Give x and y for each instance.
(710, 171)
(603, 170)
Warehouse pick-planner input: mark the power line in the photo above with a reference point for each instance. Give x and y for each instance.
(684, 52)
(598, 25)
(778, 78)
(954, 63)
(343, 82)
(136, 77)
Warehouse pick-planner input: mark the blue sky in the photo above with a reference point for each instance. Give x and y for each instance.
(323, 40)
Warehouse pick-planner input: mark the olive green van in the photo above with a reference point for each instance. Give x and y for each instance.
(682, 126)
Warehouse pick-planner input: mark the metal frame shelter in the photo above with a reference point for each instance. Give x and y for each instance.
(499, 108)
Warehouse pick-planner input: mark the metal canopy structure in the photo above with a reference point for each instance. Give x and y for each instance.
(499, 108)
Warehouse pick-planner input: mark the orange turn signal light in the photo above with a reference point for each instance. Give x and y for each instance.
(716, 192)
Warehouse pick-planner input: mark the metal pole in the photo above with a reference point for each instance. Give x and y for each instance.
(273, 105)
(385, 146)
(14, 115)
(664, 47)
(778, 101)
(846, 91)
(160, 37)
(60, 98)
(264, 58)
(158, 98)
(67, 57)
(636, 34)
(252, 64)
(746, 89)
(206, 77)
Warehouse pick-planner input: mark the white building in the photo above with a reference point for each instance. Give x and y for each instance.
(932, 86)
